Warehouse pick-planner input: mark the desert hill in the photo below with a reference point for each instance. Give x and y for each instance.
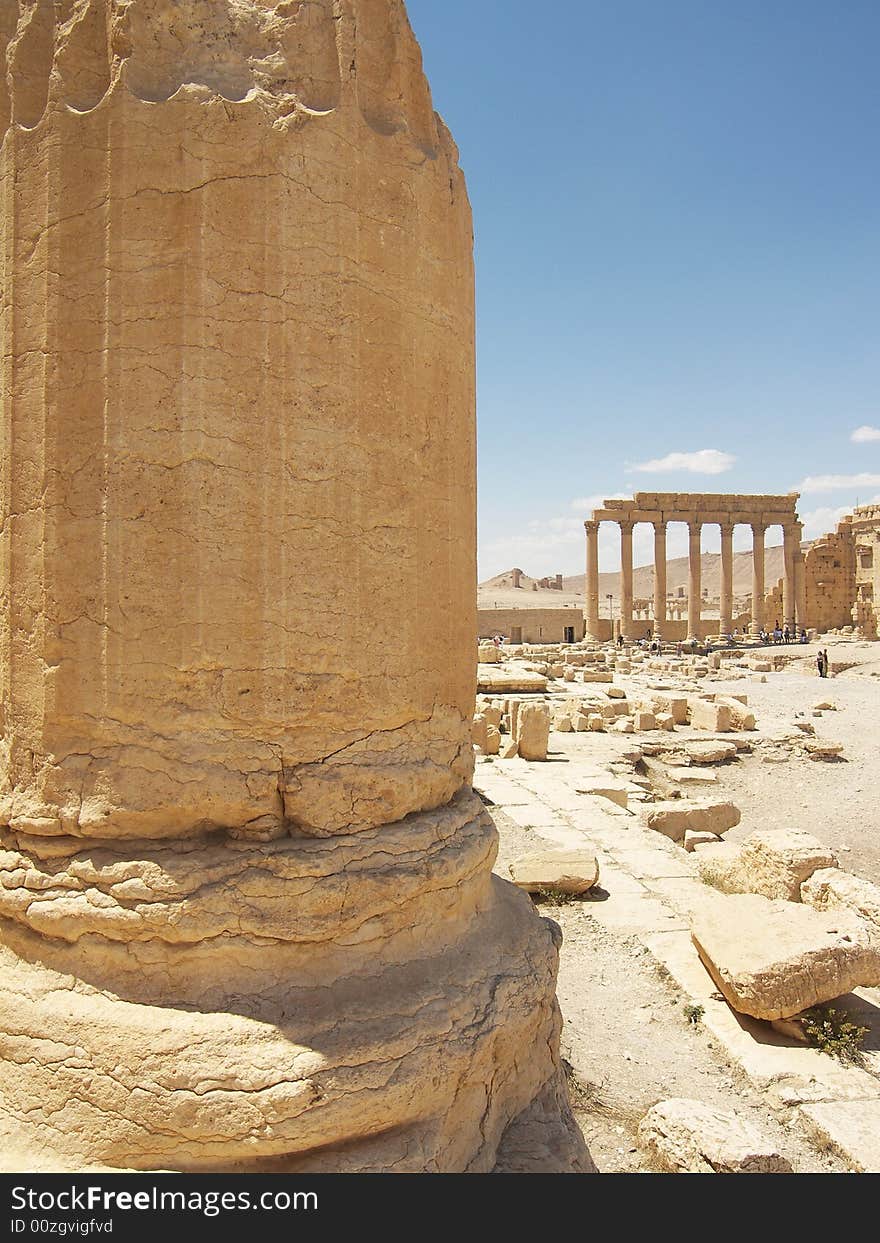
(499, 591)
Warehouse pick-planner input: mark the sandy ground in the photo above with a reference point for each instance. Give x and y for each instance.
(836, 802)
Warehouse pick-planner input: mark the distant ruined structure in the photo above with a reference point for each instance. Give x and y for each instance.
(247, 914)
(843, 574)
(697, 510)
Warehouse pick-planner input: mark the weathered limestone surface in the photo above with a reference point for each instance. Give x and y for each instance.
(830, 888)
(248, 919)
(771, 862)
(710, 751)
(569, 871)
(772, 959)
(690, 1137)
(532, 731)
(678, 816)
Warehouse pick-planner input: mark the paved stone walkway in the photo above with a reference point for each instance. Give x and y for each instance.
(652, 891)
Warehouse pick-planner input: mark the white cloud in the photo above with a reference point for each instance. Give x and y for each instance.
(838, 483)
(865, 433)
(821, 521)
(700, 462)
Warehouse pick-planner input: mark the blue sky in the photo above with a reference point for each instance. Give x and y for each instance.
(677, 216)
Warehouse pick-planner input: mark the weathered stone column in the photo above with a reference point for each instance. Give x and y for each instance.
(248, 915)
(591, 593)
(626, 579)
(789, 586)
(800, 588)
(659, 578)
(725, 624)
(695, 579)
(758, 530)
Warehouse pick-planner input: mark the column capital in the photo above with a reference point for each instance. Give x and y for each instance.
(695, 526)
(660, 524)
(758, 528)
(591, 527)
(625, 524)
(727, 527)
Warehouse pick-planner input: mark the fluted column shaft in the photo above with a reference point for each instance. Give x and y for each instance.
(758, 530)
(800, 587)
(591, 590)
(659, 578)
(789, 605)
(725, 623)
(695, 579)
(626, 579)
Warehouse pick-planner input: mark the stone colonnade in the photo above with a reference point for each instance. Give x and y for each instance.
(699, 510)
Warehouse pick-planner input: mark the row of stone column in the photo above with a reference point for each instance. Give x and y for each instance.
(793, 583)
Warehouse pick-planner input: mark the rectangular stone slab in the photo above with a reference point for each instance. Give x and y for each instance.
(772, 959)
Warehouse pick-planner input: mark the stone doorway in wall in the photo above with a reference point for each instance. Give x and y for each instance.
(569, 634)
(516, 634)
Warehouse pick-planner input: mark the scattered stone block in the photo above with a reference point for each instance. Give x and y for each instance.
(596, 722)
(740, 716)
(596, 675)
(508, 750)
(690, 1137)
(825, 705)
(677, 705)
(616, 692)
(674, 818)
(821, 749)
(493, 740)
(773, 959)
(694, 838)
(770, 862)
(568, 871)
(532, 731)
(478, 731)
(643, 720)
(710, 752)
(493, 679)
(711, 716)
(688, 777)
(488, 654)
(665, 720)
(830, 889)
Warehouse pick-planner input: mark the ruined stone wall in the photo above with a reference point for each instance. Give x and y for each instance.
(535, 625)
(829, 578)
(246, 892)
(865, 528)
